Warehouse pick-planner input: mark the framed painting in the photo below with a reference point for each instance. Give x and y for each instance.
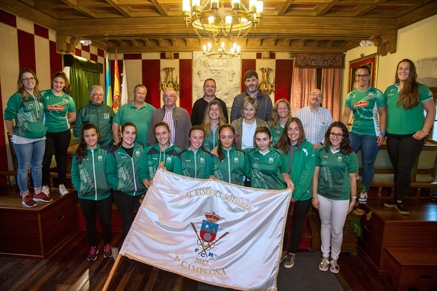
(370, 61)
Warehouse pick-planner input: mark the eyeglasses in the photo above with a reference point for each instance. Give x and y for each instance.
(28, 79)
(96, 95)
(362, 76)
(316, 94)
(336, 134)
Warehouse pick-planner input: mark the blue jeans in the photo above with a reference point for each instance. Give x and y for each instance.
(29, 154)
(369, 149)
(403, 151)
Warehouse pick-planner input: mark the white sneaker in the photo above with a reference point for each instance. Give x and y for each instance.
(63, 190)
(45, 190)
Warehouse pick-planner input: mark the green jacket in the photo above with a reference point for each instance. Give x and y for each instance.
(302, 171)
(28, 116)
(99, 115)
(122, 171)
(232, 168)
(211, 141)
(153, 155)
(89, 178)
(196, 164)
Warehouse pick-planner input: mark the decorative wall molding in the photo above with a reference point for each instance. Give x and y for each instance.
(319, 61)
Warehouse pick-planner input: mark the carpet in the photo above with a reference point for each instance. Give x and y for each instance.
(305, 275)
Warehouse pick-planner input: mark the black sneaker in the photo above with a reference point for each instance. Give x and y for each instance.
(390, 203)
(402, 208)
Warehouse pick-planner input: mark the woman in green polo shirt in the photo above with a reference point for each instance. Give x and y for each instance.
(407, 127)
(334, 191)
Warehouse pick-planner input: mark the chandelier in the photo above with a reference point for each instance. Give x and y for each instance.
(221, 53)
(213, 20)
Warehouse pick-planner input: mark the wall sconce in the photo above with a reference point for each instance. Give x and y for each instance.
(265, 85)
(366, 42)
(169, 83)
(86, 42)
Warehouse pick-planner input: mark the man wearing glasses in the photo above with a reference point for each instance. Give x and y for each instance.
(97, 113)
(315, 119)
(177, 118)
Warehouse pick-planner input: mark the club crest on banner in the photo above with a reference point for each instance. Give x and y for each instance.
(206, 238)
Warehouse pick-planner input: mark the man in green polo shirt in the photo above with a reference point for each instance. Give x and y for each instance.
(138, 112)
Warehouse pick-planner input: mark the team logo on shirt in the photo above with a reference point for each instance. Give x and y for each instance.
(168, 159)
(236, 160)
(270, 160)
(100, 158)
(339, 159)
(370, 95)
(361, 104)
(137, 153)
(202, 160)
(105, 115)
(206, 238)
(55, 107)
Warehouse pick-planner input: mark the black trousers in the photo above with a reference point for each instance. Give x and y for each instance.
(403, 151)
(299, 213)
(57, 142)
(103, 208)
(128, 207)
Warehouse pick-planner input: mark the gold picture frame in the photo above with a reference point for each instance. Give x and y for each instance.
(370, 61)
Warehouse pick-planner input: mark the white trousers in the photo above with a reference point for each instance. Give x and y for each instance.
(333, 216)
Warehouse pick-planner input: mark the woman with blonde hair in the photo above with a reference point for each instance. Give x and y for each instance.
(280, 114)
(214, 118)
(246, 125)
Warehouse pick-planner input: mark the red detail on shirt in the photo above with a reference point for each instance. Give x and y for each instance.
(55, 108)
(361, 104)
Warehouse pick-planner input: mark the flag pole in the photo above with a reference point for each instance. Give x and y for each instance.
(111, 274)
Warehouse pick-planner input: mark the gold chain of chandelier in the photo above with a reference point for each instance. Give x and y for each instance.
(213, 20)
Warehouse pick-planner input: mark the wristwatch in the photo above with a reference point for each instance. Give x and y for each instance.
(382, 134)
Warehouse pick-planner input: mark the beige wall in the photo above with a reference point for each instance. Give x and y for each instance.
(414, 42)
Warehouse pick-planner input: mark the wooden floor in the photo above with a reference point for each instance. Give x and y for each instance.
(68, 269)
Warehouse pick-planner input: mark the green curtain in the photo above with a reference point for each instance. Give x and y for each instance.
(81, 83)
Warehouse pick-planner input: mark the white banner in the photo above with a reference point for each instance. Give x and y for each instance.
(214, 232)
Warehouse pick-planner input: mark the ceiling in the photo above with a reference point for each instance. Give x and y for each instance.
(295, 26)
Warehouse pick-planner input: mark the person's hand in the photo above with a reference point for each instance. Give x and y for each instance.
(214, 151)
(213, 178)
(352, 205)
(315, 202)
(290, 185)
(420, 134)
(161, 166)
(147, 183)
(380, 140)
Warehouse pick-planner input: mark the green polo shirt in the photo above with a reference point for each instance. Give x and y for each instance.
(334, 173)
(401, 121)
(140, 117)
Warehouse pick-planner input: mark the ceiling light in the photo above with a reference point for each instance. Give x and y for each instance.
(366, 42)
(221, 52)
(86, 42)
(213, 20)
